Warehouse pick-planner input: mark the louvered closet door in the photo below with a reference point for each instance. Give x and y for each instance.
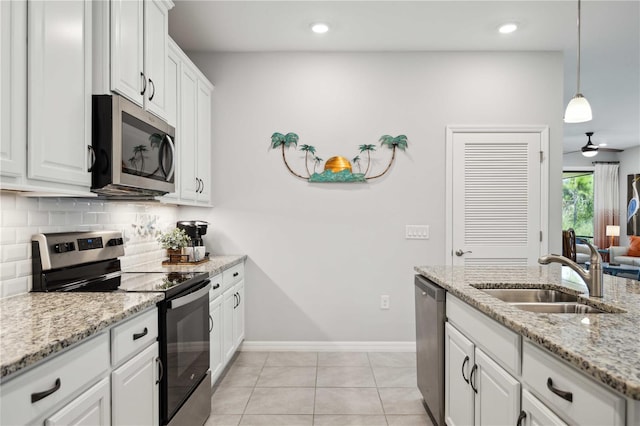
(496, 198)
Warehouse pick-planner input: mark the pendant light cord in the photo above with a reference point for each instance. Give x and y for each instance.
(578, 90)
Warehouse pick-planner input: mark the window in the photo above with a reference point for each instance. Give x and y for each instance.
(577, 202)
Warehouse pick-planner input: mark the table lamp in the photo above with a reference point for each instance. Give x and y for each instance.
(612, 231)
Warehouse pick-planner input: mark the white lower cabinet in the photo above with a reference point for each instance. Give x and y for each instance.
(92, 408)
(135, 390)
(233, 322)
(459, 360)
(535, 413)
(478, 391)
(497, 393)
(216, 357)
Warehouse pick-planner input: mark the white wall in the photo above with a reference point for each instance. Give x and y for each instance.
(320, 255)
(22, 217)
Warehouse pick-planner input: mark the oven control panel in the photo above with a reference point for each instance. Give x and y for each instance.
(58, 250)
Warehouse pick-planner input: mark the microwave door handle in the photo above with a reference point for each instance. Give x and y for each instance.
(173, 158)
(186, 299)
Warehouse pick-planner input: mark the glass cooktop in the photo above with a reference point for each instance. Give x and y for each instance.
(159, 281)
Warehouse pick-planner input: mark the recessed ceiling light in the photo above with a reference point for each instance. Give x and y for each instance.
(508, 28)
(319, 28)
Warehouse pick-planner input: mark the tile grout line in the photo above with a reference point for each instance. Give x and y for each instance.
(378, 391)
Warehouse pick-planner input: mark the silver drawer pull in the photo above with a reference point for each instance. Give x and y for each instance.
(562, 394)
(35, 397)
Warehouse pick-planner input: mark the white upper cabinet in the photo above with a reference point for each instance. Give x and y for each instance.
(156, 32)
(189, 97)
(135, 56)
(59, 91)
(127, 49)
(13, 88)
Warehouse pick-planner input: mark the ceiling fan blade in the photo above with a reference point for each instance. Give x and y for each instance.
(602, 148)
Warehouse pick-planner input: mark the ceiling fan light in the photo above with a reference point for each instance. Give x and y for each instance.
(590, 153)
(578, 110)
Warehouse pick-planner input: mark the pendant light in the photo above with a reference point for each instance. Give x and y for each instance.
(578, 110)
(589, 150)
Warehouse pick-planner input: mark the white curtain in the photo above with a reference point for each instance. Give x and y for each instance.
(606, 201)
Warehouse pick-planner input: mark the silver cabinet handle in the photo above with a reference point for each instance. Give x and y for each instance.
(459, 252)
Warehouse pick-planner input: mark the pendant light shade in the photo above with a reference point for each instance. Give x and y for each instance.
(578, 110)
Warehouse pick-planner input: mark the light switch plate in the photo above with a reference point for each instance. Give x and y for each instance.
(417, 232)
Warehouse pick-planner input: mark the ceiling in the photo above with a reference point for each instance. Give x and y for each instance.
(610, 65)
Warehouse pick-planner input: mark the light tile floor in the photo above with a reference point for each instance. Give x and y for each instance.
(325, 388)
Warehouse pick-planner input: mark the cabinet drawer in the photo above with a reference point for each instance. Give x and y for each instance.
(134, 335)
(69, 373)
(502, 344)
(591, 403)
(216, 287)
(232, 275)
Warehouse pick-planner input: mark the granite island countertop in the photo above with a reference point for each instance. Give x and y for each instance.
(603, 346)
(34, 326)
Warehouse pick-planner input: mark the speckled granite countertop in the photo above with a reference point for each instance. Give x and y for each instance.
(36, 325)
(214, 266)
(606, 346)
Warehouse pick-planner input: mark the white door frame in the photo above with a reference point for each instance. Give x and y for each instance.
(543, 131)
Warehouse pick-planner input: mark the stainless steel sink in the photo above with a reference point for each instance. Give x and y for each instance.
(530, 295)
(558, 308)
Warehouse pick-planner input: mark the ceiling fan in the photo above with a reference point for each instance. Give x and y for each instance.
(591, 150)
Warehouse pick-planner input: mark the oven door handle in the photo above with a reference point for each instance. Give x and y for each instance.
(186, 299)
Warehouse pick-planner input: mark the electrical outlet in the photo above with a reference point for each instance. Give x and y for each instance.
(384, 301)
(417, 232)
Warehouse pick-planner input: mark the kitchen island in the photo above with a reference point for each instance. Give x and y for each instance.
(604, 347)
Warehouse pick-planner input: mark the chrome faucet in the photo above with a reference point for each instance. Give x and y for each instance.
(592, 278)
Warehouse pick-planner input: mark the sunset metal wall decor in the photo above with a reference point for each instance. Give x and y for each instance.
(337, 168)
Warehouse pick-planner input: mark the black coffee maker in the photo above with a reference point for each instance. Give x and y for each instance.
(194, 229)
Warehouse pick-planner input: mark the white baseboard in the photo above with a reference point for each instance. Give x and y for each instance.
(257, 346)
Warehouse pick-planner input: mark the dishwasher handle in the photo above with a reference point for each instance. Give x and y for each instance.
(430, 289)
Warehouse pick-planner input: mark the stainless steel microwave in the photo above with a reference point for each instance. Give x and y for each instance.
(134, 151)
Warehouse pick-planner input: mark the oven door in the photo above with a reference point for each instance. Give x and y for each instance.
(185, 352)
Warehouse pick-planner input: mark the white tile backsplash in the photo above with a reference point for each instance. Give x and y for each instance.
(22, 217)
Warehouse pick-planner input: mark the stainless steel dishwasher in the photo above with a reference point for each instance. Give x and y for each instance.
(430, 318)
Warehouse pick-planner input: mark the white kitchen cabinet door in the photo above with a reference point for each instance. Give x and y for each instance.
(216, 357)
(497, 401)
(459, 360)
(189, 183)
(59, 91)
(156, 30)
(91, 408)
(238, 315)
(535, 413)
(13, 88)
(135, 391)
(229, 299)
(127, 49)
(204, 142)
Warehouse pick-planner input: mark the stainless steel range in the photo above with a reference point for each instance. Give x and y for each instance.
(88, 261)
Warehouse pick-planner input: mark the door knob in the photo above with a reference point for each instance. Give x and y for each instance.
(459, 252)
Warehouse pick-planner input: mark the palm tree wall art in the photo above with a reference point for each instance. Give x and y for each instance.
(337, 168)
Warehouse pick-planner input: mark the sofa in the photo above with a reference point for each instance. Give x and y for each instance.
(618, 254)
(583, 253)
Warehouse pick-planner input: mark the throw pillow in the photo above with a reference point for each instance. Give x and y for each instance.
(634, 247)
